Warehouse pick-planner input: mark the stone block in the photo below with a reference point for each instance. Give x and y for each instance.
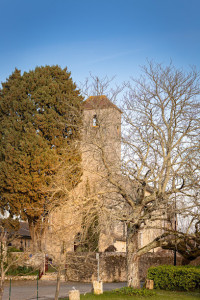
(98, 287)
(74, 295)
(149, 284)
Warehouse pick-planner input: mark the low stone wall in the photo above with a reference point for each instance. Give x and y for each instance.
(113, 267)
(83, 266)
(155, 259)
(28, 259)
(195, 262)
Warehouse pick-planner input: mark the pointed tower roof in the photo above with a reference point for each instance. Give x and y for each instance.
(99, 102)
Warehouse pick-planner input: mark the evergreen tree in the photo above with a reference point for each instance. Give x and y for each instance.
(40, 120)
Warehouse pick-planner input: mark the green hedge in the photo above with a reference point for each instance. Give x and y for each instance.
(175, 277)
(21, 271)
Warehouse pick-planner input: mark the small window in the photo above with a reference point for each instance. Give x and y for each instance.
(94, 121)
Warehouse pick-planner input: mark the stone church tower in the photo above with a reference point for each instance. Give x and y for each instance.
(101, 138)
(101, 152)
(101, 156)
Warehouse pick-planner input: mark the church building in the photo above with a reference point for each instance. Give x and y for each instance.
(101, 156)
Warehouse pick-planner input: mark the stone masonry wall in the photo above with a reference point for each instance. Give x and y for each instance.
(83, 266)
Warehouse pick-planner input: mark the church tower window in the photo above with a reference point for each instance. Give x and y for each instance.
(95, 121)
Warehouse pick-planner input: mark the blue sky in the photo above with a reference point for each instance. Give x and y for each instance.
(105, 37)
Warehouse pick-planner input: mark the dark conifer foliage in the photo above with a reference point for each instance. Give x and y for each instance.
(40, 121)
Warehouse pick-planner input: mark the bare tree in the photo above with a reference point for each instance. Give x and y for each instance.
(98, 86)
(161, 142)
(160, 169)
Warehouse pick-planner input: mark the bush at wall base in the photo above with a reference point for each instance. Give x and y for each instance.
(175, 277)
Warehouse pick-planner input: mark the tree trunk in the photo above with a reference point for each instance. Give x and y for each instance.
(61, 266)
(133, 278)
(58, 283)
(2, 280)
(1, 293)
(33, 228)
(2, 286)
(3, 260)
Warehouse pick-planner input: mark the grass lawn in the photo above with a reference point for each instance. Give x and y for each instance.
(161, 295)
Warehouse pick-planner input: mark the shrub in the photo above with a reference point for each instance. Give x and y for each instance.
(14, 249)
(22, 271)
(130, 291)
(175, 277)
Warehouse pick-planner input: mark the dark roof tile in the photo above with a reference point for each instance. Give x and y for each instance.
(99, 102)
